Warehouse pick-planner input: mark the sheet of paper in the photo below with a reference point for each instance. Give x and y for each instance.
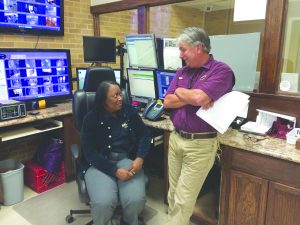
(225, 110)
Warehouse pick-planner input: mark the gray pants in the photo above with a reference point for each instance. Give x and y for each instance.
(106, 193)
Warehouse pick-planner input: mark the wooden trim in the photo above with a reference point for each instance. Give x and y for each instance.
(96, 24)
(166, 168)
(272, 45)
(226, 160)
(129, 4)
(143, 19)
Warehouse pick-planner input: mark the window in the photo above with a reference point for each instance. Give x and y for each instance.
(216, 17)
(289, 80)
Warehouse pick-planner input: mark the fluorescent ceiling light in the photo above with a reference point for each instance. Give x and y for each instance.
(249, 10)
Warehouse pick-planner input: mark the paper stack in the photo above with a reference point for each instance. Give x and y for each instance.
(225, 110)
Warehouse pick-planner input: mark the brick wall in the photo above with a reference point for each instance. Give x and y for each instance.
(165, 21)
(78, 22)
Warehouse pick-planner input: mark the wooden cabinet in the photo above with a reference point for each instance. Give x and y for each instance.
(283, 205)
(247, 199)
(258, 190)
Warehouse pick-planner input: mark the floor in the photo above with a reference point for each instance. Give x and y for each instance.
(154, 200)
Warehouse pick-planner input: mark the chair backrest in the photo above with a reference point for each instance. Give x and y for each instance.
(83, 100)
(95, 75)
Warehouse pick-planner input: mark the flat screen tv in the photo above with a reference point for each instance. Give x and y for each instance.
(36, 17)
(35, 74)
(141, 50)
(98, 49)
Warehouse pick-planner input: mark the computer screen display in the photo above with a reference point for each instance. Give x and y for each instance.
(34, 74)
(118, 75)
(99, 49)
(141, 84)
(141, 50)
(80, 74)
(42, 17)
(163, 80)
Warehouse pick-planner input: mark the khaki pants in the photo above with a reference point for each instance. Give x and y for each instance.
(189, 163)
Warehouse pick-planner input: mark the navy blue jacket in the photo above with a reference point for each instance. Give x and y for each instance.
(96, 139)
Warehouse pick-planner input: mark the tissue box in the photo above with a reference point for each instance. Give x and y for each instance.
(293, 136)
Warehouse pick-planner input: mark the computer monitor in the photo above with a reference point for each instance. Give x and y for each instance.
(141, 84)
(118, 75)
(163, 79)
(141, 50)
(99, 49)
(35, 74)
(80, 74)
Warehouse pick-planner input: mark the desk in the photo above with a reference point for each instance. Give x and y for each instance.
(167, 126)
(271, 164)
(61, 112)
(268, 169)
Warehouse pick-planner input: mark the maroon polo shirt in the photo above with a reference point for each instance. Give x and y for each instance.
(214, 78)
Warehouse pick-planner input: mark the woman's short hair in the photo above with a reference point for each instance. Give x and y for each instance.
(101, 94)
(194, 36)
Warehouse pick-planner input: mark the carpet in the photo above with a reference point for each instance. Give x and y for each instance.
(52, 207)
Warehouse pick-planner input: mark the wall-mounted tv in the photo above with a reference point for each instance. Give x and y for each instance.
(35, 74)
(99, 49)
(36, 17)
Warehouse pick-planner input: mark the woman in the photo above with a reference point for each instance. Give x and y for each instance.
(111, 134)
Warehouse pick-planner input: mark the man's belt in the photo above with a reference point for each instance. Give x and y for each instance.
(204, 135)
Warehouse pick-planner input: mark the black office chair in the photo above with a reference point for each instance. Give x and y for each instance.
(83, 101)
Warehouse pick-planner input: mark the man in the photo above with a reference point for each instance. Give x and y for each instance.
(193, 144)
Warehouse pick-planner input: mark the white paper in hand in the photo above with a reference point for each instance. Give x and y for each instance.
(225, 110)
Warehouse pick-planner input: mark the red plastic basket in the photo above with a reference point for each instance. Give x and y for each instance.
(41, 180)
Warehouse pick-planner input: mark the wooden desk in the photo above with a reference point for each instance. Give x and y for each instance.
(268, 169)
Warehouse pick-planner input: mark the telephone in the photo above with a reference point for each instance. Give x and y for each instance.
(153, 110)
(238, 122)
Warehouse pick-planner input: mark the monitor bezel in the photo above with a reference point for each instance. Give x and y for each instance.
(49, 99)
(85, 38)
(26, 30)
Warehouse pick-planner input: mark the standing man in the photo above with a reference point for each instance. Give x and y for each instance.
(193, 144)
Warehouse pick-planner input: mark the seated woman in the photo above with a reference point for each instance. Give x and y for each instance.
(111, 134)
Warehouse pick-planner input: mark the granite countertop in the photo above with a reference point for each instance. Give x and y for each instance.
(165, 123)
(264, 145)
(59, 110)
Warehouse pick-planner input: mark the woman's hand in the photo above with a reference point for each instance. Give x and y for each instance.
(136, 165)
(123, 174)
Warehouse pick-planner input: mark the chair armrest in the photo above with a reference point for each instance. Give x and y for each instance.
(74, 151)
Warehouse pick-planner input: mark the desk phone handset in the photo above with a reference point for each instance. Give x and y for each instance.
(153, 110)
